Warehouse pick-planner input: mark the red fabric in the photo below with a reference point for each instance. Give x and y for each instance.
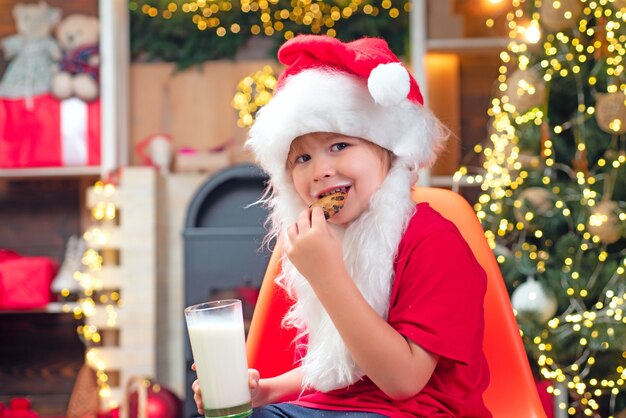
(25, 282)
(31, 137)
(358, 57)
(436, 301)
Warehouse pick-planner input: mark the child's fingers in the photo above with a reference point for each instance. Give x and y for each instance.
(302, 224)
(193, 366)
(317, 217)
(197, 396)
(304, 221)
(253, 378)
(292, 231)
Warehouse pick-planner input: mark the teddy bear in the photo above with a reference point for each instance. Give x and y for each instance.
(32, 51)
(79, 69)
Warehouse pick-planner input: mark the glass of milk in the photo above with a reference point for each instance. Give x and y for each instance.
(218, 345)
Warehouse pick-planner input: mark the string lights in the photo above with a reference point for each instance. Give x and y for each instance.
(97, 305)
(553, 196)
(253, 92)
(270, 16)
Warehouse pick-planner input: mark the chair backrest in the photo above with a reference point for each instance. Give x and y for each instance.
(512, 392)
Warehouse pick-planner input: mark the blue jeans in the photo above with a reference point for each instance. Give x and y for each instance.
(287, 410)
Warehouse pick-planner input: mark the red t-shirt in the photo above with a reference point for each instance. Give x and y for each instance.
(437, 302)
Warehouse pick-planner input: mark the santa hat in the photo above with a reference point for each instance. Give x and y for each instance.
(358, 89)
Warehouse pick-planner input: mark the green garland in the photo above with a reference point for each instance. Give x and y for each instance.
(161, 30)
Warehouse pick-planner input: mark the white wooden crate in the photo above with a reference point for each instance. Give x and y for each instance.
(135, 237)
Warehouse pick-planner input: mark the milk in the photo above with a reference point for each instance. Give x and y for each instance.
(219, 352)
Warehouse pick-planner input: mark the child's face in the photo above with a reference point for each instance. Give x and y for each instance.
(322, 162)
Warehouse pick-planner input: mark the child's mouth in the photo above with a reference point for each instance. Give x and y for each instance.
(340, 189)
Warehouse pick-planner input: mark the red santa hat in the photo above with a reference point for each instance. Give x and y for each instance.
(358, 88)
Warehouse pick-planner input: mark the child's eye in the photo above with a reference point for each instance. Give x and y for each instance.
(302, 158)
(338, 146)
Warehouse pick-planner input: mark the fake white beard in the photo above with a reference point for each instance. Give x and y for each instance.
(370, 245)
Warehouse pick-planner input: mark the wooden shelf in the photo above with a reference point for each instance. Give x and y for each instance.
(52, 307)
(466, 45)
(43, 172)
(448, 182)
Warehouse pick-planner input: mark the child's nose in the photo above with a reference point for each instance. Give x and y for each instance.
(322, 168)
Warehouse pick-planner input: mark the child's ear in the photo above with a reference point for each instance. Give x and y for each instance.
(415, 174)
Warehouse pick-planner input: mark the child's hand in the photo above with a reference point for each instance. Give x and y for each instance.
(197, 395)
(253, 384)
(314, 249)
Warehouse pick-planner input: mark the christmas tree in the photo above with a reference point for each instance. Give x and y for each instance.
(553, 200)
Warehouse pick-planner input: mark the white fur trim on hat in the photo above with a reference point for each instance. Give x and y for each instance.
(323, 100)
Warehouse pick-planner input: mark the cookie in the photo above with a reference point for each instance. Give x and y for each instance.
(331, 204)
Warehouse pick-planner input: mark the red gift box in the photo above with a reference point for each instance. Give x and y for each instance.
(44, 132)
(18, 408)
(6, 255)
(25, 282)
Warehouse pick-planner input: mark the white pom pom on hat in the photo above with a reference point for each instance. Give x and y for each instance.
(389, 83)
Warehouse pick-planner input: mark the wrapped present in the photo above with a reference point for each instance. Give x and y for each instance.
(18, 408)
(49, 133)
(6, 255)
(25, 282)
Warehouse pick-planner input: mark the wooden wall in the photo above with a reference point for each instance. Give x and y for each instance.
(193, 106)
(37, 216)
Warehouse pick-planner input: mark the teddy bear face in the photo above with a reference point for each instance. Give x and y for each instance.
(35, 20)
(76, 31)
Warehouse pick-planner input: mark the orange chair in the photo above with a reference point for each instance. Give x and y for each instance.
(512, 392)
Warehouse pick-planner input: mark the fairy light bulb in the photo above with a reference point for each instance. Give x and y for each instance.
(532, 34)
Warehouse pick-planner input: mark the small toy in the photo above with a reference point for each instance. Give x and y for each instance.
(32, 51)
(79, 69)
